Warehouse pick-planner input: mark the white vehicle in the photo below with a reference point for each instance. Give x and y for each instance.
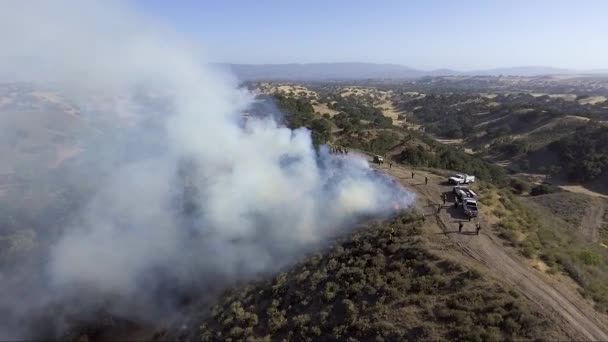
(378, 160)
(469, 205)
(463, 192)
(461, 179)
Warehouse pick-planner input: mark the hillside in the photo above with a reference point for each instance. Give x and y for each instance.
(537, 270)
(429, 282)
(539, 256)
(368, 287)
(150, 193)
(515, 124)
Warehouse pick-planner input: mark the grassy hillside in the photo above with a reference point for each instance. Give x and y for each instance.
(546, 228)
(530, 132)
(584, 155)
(368, 287)
(574, 149)
(374, 285)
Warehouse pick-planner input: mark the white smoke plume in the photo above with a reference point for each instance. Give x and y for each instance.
(199, 197)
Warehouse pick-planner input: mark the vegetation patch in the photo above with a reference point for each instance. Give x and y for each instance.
(299, 112)
(445, 157)
(584, 154)
(545, 227)
(570, 207)
(604, 229)
(375, 286)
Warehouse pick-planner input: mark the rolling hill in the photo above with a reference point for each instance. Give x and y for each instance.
(362, 71)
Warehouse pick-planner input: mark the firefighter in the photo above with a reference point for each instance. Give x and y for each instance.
(445, 198)
(412, 174)
(438, 208)
(477, 227)
(460, 225)
(426, 180)
(392, 234)
(390, 165)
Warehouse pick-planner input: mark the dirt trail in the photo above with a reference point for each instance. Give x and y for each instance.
(582, 190)
(593, 220)
(559, 300)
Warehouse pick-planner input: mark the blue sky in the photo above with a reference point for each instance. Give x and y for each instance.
(464, 35)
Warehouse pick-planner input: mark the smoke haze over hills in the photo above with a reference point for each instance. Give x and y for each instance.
(359, 71)
(184, 195)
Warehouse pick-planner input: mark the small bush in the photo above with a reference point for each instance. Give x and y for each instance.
(331, 289)
(589, 258)
(519, 186)
(542, 189)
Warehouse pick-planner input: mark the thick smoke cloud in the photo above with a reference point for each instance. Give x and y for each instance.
(195, 194)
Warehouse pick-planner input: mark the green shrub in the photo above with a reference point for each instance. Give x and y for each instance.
(589, 258)
(359, 288)
(300, 321)
(542, 189)
(276, 318)
(331, 289)
(519, 186)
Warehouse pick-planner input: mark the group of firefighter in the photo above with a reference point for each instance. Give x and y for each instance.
(444, 198)
(338, 150)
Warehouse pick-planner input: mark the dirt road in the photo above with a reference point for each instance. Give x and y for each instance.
(582, 190)
(593, 220)
(559, 300)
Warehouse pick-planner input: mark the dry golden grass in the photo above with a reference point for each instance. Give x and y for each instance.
(539, 265)
(593, 100)
(323, 109)
(582, 190)
(273, 88)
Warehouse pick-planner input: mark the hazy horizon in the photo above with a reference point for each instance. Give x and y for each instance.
(497, 67)
(465, 36)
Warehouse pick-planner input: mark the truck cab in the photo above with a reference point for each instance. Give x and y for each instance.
(469, 205)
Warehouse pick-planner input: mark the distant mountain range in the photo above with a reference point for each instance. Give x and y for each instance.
(350, 71)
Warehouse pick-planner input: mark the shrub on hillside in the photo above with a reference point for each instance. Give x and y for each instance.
(519, 186)
(513, 148)
(365, 285)
(543, 189)
(584, 153)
